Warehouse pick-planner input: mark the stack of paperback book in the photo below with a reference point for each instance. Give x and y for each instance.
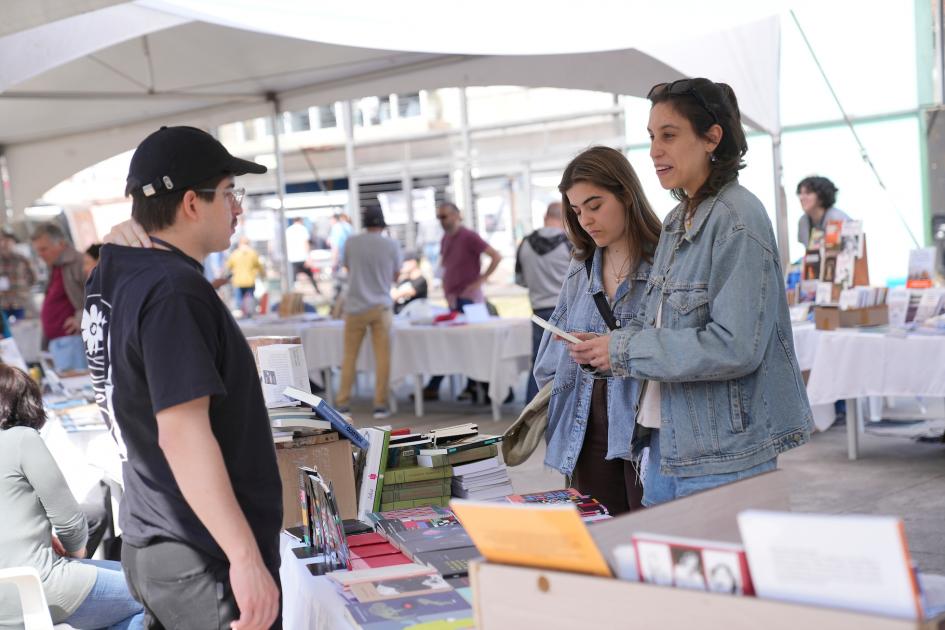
(408, 485)
(484, 479)
(291, 422)
(478, 471)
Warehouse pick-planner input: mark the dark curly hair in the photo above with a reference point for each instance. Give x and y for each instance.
(21, 402)
(822, 187)
(719, 99)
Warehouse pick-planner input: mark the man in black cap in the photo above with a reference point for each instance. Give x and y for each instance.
(177, 383)
(373, 263)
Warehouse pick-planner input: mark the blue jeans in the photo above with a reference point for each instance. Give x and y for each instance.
(659, 488)
(109, 604)
(537, 333)
(68, 353)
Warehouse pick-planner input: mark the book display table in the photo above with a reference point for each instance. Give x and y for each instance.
(308, 601)
(852, 364)
(497, 351)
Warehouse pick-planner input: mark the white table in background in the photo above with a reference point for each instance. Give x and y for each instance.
(497, 351)
(851, 364)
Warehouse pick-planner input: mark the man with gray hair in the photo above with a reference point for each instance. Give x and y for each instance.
(540, 265)
(61, 315)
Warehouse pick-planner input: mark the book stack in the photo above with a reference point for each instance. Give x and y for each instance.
(591, 509)
(409, 485)
(288, 423)
(484, 479)
(478, 471)
(429, 535)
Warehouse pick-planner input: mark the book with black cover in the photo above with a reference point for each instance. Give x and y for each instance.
(449, 562)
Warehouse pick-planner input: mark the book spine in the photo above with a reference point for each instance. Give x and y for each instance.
(341, 425)
(303, 502)
(473, 454)
(441, 501)
(406, 475)
(401, 456)
(382, 467)
(406, 492)
(468, 447)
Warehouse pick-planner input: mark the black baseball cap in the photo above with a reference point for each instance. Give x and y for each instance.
(175, 158)
(373, 216)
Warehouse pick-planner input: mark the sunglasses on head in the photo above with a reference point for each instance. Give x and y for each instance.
(683, 87)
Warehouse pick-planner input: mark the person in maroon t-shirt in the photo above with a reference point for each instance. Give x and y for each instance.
(460, 252)
(61, 314)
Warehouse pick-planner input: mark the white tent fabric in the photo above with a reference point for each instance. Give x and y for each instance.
(89, 86)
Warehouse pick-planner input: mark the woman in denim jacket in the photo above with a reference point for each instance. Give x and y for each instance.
(609, 222)
(722, 393)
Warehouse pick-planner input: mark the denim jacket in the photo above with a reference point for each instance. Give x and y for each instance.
(731, 390)
(570, 404)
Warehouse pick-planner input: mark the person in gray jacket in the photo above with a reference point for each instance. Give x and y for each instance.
(541, 266)
(44, 527)
(723, 394)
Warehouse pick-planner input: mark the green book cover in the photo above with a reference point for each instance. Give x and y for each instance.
(413, 503)
(416, 490)
(382, 468)
(417, 473)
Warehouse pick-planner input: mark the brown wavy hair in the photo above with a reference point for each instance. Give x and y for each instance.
(21, 402)
(609, 169)
(720, 99)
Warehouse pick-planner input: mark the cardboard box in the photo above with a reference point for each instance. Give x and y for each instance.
(333, 460)
(521, 597)
(831, 317)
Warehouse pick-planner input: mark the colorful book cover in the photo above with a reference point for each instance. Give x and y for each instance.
(412, 586)
(700, 565)
(449, 562)
(404, 612)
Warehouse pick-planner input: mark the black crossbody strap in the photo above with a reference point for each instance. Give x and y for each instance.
(603, 307)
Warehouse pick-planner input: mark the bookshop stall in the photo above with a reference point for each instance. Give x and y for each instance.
(859, 341)
(425, 528)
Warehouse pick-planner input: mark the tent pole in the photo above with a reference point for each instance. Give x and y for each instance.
(4, 210)
(780, 203)
(354, 191)
(467, 161)
(286, 280)
(406, 184)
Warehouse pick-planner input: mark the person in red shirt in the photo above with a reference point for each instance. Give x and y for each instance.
(460, 253)
(61, 314)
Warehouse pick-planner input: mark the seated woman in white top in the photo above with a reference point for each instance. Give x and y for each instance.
(43, 526)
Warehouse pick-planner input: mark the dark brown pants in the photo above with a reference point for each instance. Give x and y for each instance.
(612, 482)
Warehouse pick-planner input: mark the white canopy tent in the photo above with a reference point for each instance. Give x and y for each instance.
(78, 88)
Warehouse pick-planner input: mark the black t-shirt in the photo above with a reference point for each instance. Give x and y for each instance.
(419, 285)
(157, 335)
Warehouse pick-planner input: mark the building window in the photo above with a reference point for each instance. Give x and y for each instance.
(296, 121)
(326, 116)
(408, 105)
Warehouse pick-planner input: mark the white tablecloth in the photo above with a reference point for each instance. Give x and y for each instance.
(308, 602)
(856, 364)
(806, 337)
(497, 351)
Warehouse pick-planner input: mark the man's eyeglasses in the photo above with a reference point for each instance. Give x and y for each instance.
(234, 196)
(683, 87)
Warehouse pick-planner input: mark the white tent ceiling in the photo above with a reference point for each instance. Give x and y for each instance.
(89, 85)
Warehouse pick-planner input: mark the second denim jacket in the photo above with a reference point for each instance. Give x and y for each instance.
(570, 403)
(732, 396)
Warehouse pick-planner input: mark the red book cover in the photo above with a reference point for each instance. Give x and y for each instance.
(379, 561)
(358, 540)
(371, 551)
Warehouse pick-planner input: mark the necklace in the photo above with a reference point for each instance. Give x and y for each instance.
(617, 274)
